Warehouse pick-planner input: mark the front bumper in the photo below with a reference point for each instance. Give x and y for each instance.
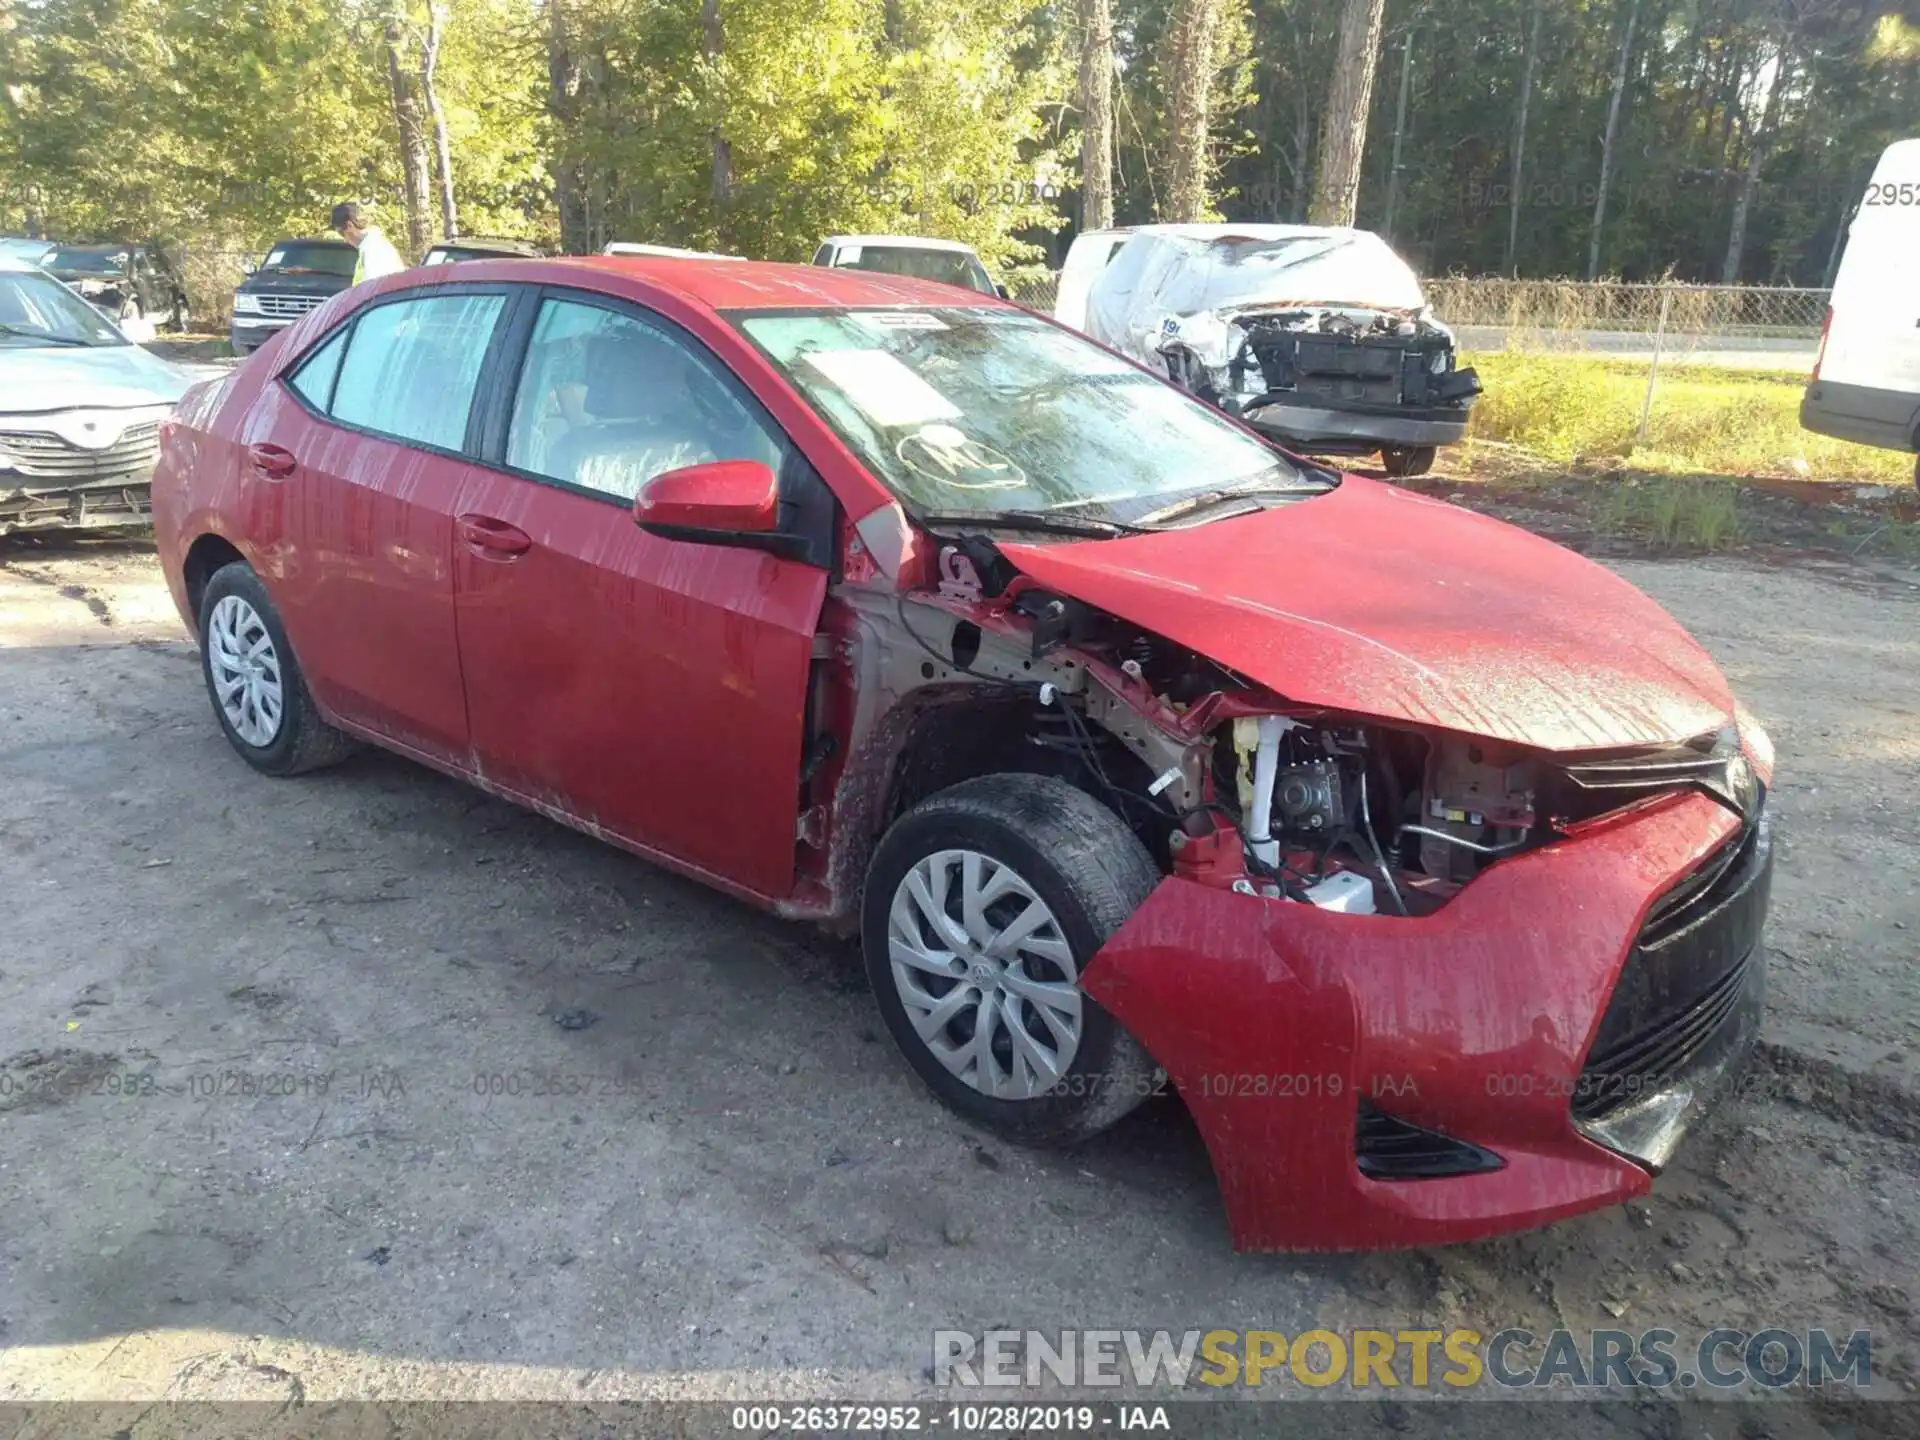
(49, 483)
(1283, 1025)
(1309, 425)
(247, 333)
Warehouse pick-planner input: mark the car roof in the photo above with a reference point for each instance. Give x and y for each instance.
(333, 240)
(103, 248)
(733, 284)
(883, 242)
(17, 264)
(1248, 231)
(501, 243)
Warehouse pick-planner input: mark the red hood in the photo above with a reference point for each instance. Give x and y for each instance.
(1380, 602)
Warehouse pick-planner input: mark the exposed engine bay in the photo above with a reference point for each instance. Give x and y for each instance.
(1232, 785)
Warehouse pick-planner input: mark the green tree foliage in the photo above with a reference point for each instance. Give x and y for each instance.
(759, 126)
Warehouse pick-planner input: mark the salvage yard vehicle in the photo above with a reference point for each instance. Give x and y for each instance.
(296, 276)
(1425, 860)
(919, 256)
(131, 285)
(479, 247)
(1865, 385)
(80, 409)
(1317, 336)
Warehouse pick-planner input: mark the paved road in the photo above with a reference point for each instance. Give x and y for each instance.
(1727, 352)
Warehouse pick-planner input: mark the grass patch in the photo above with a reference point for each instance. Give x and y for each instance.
(1674, 512)
(1575, 409)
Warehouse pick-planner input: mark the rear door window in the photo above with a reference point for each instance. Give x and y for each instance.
(411, 366)
(313, 381)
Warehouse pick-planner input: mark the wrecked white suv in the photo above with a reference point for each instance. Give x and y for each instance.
(1319, 337)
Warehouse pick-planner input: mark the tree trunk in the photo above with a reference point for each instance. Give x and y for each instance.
(713, 44)
(443, 152)
(1096, 114)
(1607, 143)
(563, 88)
(1343, 131)
(1758, 144)
(1189, 68)
(1518, 179)
(409, 117)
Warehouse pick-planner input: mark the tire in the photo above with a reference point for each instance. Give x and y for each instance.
(1404, 460)
(292, 739)
(1077, 858)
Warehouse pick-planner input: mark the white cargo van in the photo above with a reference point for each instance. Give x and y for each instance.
(1866, 381)
(1086, 258)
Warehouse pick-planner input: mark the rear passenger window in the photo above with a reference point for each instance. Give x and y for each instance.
(314, 379)
(411, 366)
(607, 401)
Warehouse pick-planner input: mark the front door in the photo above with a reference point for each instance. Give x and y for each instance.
(653, 688)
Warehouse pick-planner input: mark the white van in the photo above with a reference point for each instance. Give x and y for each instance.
(1086, 258)
(1866, 380)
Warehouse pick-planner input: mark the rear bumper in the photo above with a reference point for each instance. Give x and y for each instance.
(1276, 1021)
(1864, 414)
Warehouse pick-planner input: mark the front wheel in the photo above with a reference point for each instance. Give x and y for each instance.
(259, 695)
(1403, 460)
(982, 906)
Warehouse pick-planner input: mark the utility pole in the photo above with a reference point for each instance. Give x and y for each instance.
(1399, 133)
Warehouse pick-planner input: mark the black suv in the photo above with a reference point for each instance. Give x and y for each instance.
(296, 277)
(122, 282)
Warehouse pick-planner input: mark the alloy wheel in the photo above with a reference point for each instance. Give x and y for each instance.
(246, 671)
(985, 973)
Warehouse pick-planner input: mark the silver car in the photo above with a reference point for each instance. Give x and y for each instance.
(80, 409)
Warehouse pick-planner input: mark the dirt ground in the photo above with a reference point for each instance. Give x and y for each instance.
(300, 1140)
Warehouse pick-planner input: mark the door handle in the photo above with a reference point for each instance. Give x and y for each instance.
(494, 537)
(271, 461)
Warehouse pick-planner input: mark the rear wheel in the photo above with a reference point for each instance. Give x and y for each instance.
(982, 906)
(259, 695)
(1402, 460)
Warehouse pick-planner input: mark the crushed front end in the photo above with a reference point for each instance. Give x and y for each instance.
(1342, 380)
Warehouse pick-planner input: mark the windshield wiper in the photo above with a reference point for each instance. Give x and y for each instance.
(41, 335)
(1207, 499)
(1044, 521)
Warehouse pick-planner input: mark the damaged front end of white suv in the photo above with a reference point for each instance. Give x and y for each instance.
(1318, 337)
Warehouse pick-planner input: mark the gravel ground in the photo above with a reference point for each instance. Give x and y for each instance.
(304, 1141)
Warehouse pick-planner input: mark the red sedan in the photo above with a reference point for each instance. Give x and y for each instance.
(1425, 860)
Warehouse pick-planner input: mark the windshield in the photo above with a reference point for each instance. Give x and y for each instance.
(990, 411)
(88, 262)
(950, 267)
(310, 258)
(37, 309)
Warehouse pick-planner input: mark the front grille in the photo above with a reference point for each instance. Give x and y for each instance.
(288, 307)
(1681, 990)
(1389, 1148)
(39, 455)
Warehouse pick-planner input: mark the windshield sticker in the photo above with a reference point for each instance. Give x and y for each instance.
(946, 456)
(881, 388)
(896, 320)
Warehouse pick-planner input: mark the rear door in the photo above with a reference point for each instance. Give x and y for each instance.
(372, 462)
(1873, 341)
(653, 688)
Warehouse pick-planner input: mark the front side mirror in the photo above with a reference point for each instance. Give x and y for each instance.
(250, 267)
(1002, 291)
(721, 502)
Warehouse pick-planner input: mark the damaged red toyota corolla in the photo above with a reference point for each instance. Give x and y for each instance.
(1426, 859)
